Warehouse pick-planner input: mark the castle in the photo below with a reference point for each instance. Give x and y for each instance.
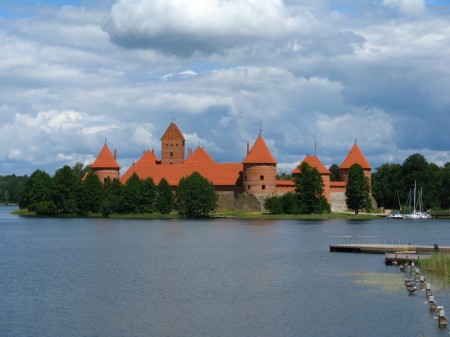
(242, 185)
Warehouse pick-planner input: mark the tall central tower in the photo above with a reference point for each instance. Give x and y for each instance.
(172, 146)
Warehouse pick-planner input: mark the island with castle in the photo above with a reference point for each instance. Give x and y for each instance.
(239, 186)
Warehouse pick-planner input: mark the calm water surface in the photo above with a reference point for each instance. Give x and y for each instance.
(101, 277)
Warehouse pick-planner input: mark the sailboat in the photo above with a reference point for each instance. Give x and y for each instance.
(417, 205)
(396, 214)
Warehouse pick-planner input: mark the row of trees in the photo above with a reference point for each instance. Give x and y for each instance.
(10, 188)
(67, 193)
(391, 183)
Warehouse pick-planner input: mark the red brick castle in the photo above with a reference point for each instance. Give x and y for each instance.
(242, 185)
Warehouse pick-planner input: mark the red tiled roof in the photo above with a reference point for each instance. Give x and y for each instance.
(105, 159)
(260, 153)
(172, 133)
(313, 161)
(148, 158)
(355, 156)
(225, 174)
(200, 156)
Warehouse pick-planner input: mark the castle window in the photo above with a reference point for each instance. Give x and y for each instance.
(261, 177)
(245, 177)
(248, 186)
(171, 154)
(263, 187)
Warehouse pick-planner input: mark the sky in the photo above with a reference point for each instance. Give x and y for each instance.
(312, 76)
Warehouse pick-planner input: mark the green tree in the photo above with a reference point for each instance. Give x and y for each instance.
(90, 195)
(335, 175)
(290, 203)
(416, 171)
(11, 187)
(196, 196)
(164, 199)
(358, 190)
(132, 196)
(112, 197)
(148, 195)
(38, 188)
(309, 188)
(274, 205)
(79, 170)
(445, 189)
(388, 186)
(65, 190)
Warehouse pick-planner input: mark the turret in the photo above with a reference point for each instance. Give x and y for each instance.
(172, 146)
(260, 168)
(106, 166)
(355, 156)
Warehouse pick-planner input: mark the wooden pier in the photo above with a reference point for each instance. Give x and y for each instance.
(395, 251)
(378, 245)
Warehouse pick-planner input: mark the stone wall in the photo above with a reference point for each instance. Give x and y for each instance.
(248, 202)
(338, 203)
(226, 200)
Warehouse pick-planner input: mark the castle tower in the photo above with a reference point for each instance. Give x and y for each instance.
(314, 161)
(172, 146)
(355, 156)
(260, 168)
(106, 166)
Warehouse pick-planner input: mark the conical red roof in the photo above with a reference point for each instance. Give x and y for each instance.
(260, 153)
(313, 161)
(172, 133)
(200, 156)
(355, 156)
(105, 159)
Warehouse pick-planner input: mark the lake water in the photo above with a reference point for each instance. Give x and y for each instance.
(103, 277)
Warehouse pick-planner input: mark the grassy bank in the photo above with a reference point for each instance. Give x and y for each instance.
(220, 214)
(438, 266)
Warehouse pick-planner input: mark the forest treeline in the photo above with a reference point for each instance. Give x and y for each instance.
(392, 183)
(66, 191)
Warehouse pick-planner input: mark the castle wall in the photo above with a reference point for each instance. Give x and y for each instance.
(259, 178)
(338, 203)
(226, 200)
(248, 202)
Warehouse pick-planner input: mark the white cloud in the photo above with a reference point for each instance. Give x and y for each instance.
(301, 72)
(185, 26)
(407, 7)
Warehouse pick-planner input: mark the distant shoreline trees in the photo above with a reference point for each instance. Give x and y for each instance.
(391, 183)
